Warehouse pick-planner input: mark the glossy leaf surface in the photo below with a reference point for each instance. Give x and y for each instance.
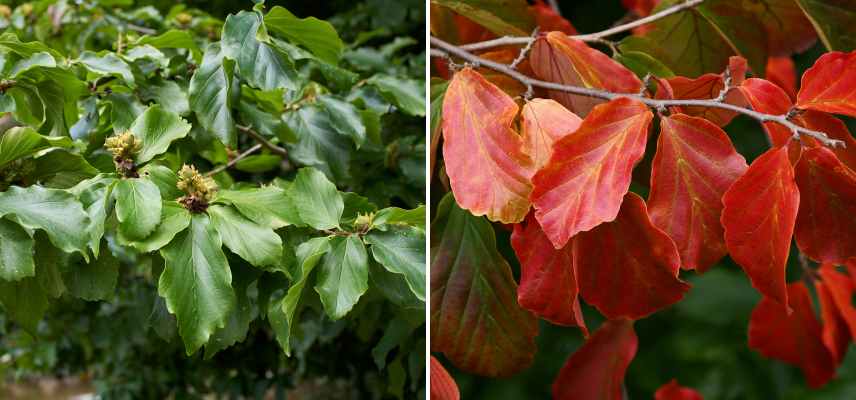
(829, 84)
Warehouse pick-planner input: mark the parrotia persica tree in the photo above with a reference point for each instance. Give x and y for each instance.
(537, 131)
(111, 118)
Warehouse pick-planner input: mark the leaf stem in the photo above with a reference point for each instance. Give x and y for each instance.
(444, 49)
(261, 139)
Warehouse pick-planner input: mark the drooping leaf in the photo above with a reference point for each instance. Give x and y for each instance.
(795, 337)
(588, 174)
(841, 288)
(673, 391)
(24, 302)
(173, 219)
(829, 84)
(257, 244)
(486, 161)
(596, 370)
(544, 122)
(694, 165)
(768, 98)
(475, 319)
(836, 332)
(548, 280)
(406, 94)
(237, 323)
(782, 72)
(95, 280)
(443, 387)
(558, 58)
(138, 207)
(316, 35)
(157, 128)
(759, 212)
(318, 145)
(628, 268)
(343, 275)
(268, 205)
(16, 252)
(709, 86)
(502, 17)
(196, 282)
(398, 216)
(833, 21)
(54, 211)
(173, 39)
(210, 93)
(19, 142)
(108, 64)
(401, 251)
(345, 118)
(316, 199)
(258, 62)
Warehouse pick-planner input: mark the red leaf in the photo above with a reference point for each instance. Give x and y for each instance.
(589, 171)
(793, 338)
(841, 288)
(548, 282)
(548, 20)
(835, 334)
(641, 8)
(835, 129)
(826, 222)
(708, 86)
(759, 212)
(673, 391)
(488, 168)
(509, 85)
(766, 97)
(475, 319)
(544, 122)
(628, 267)
(557, 58)
(781, 71)
(830, 85)
(443, 387)
(694, 165)
(596, 370)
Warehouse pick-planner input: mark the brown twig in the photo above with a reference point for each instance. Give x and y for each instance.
(235, 160)
(261, 139)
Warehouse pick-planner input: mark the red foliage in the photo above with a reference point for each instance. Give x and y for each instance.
(673, 391)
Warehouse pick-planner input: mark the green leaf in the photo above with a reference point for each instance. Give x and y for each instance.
(210, 92)
(502, 17)
(41, 59)
(399, 216)
(282, 316)
(165, 178)
(108, 64)
(259, 163)
(16, 252)
(196, 282)
(318, 145)
(57, 212)
(19, 142)
(25, 302)
(642, 64)
(95, 280)
(258, 62)
(138, 207)
(49, 261)
(401, 251)
(268, 205)
(172, 39)
(267, 124)
(833, 21)
(344, 276)
(345, 118)
(397, 331)
(316, 199)
(394, 288)
(238, 323)
(95, 195)
(318, 36)
(61, 168)
(157, 128)
(10, 42)
(406, 94)
(125, 109)
(169, 95)
(174, 219)
(257, 244)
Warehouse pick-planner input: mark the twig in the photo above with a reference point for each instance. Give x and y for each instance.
(657, 104)
(261, 139)
(524, 50)
(555, 5)
(141, 29)
(235, 160)
(589, 37)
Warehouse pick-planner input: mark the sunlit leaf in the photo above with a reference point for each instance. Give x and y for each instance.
(543, 123)
(829, 84)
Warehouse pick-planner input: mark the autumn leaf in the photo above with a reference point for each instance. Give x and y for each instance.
(443, 387)
(826, 221)
(794, 338)
(841, 288)
(673, 391)
(628, 267)
(548, 281)
(709, 86)
(547, 19)
(694, 165)
(544, 122)
(488, 169)
(782, 73)
(589, 171)
(557, 58)
(596, 370)
(759, 212)
(765, 97)
(833, 127)
(829, 84)
(835, 334)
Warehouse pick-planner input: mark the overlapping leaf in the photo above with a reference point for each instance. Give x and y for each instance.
(765, 97)
(841, 288)
(673, 391)
(833, 20)
(343, 275)
(709, 86)
(258, 62)
(157, 128)
(829, 84)
(210, 95)
(835, 333)
(56, 212)
(443, 387)
(543, 123)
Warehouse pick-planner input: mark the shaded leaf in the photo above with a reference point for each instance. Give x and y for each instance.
(209, 94)
(258, 62)
(16, 252)
(401, 251)
(443, 387)
(316, 35)
(343, 276)
(673, 391)
(257, 244)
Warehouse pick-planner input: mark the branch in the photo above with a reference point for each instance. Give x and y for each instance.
(261, 139)
(234, 161)
(589, 37)
(445, 49)
(555, 5)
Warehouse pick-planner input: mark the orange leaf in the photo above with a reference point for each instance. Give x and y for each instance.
(759, 212)
(596, 370)
(673, 391)
(826, 222)
(628, 267)
(548, 282)
(488, 169)
(830, 84)
(781, 71)
(589, 171)
(557, 58)
(708, 86)
(794, 338)
(766, 97)
(694, 165)
(443, 387)
(544, 122)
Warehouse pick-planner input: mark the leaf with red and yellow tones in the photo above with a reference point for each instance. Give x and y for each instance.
(443, 387)
(794, 338)
(832, 127)
(557, 58)
(640, 7)
(694, 165)
(708, 86)
(547, 19)
(596, 370)
(782, 72)
(826, 222)
(759, 213)
(548, 281)
(787, 30)
(835, 334)
(767, 98)
(544, 122)
(830, 84)
(509, 85)
(485, 159)
(628, 268)
(673, 391)
(589, 171)
(841, 288)
(475, 319)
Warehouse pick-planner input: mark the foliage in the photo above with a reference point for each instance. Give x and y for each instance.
(626, 177)
(305, 236)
